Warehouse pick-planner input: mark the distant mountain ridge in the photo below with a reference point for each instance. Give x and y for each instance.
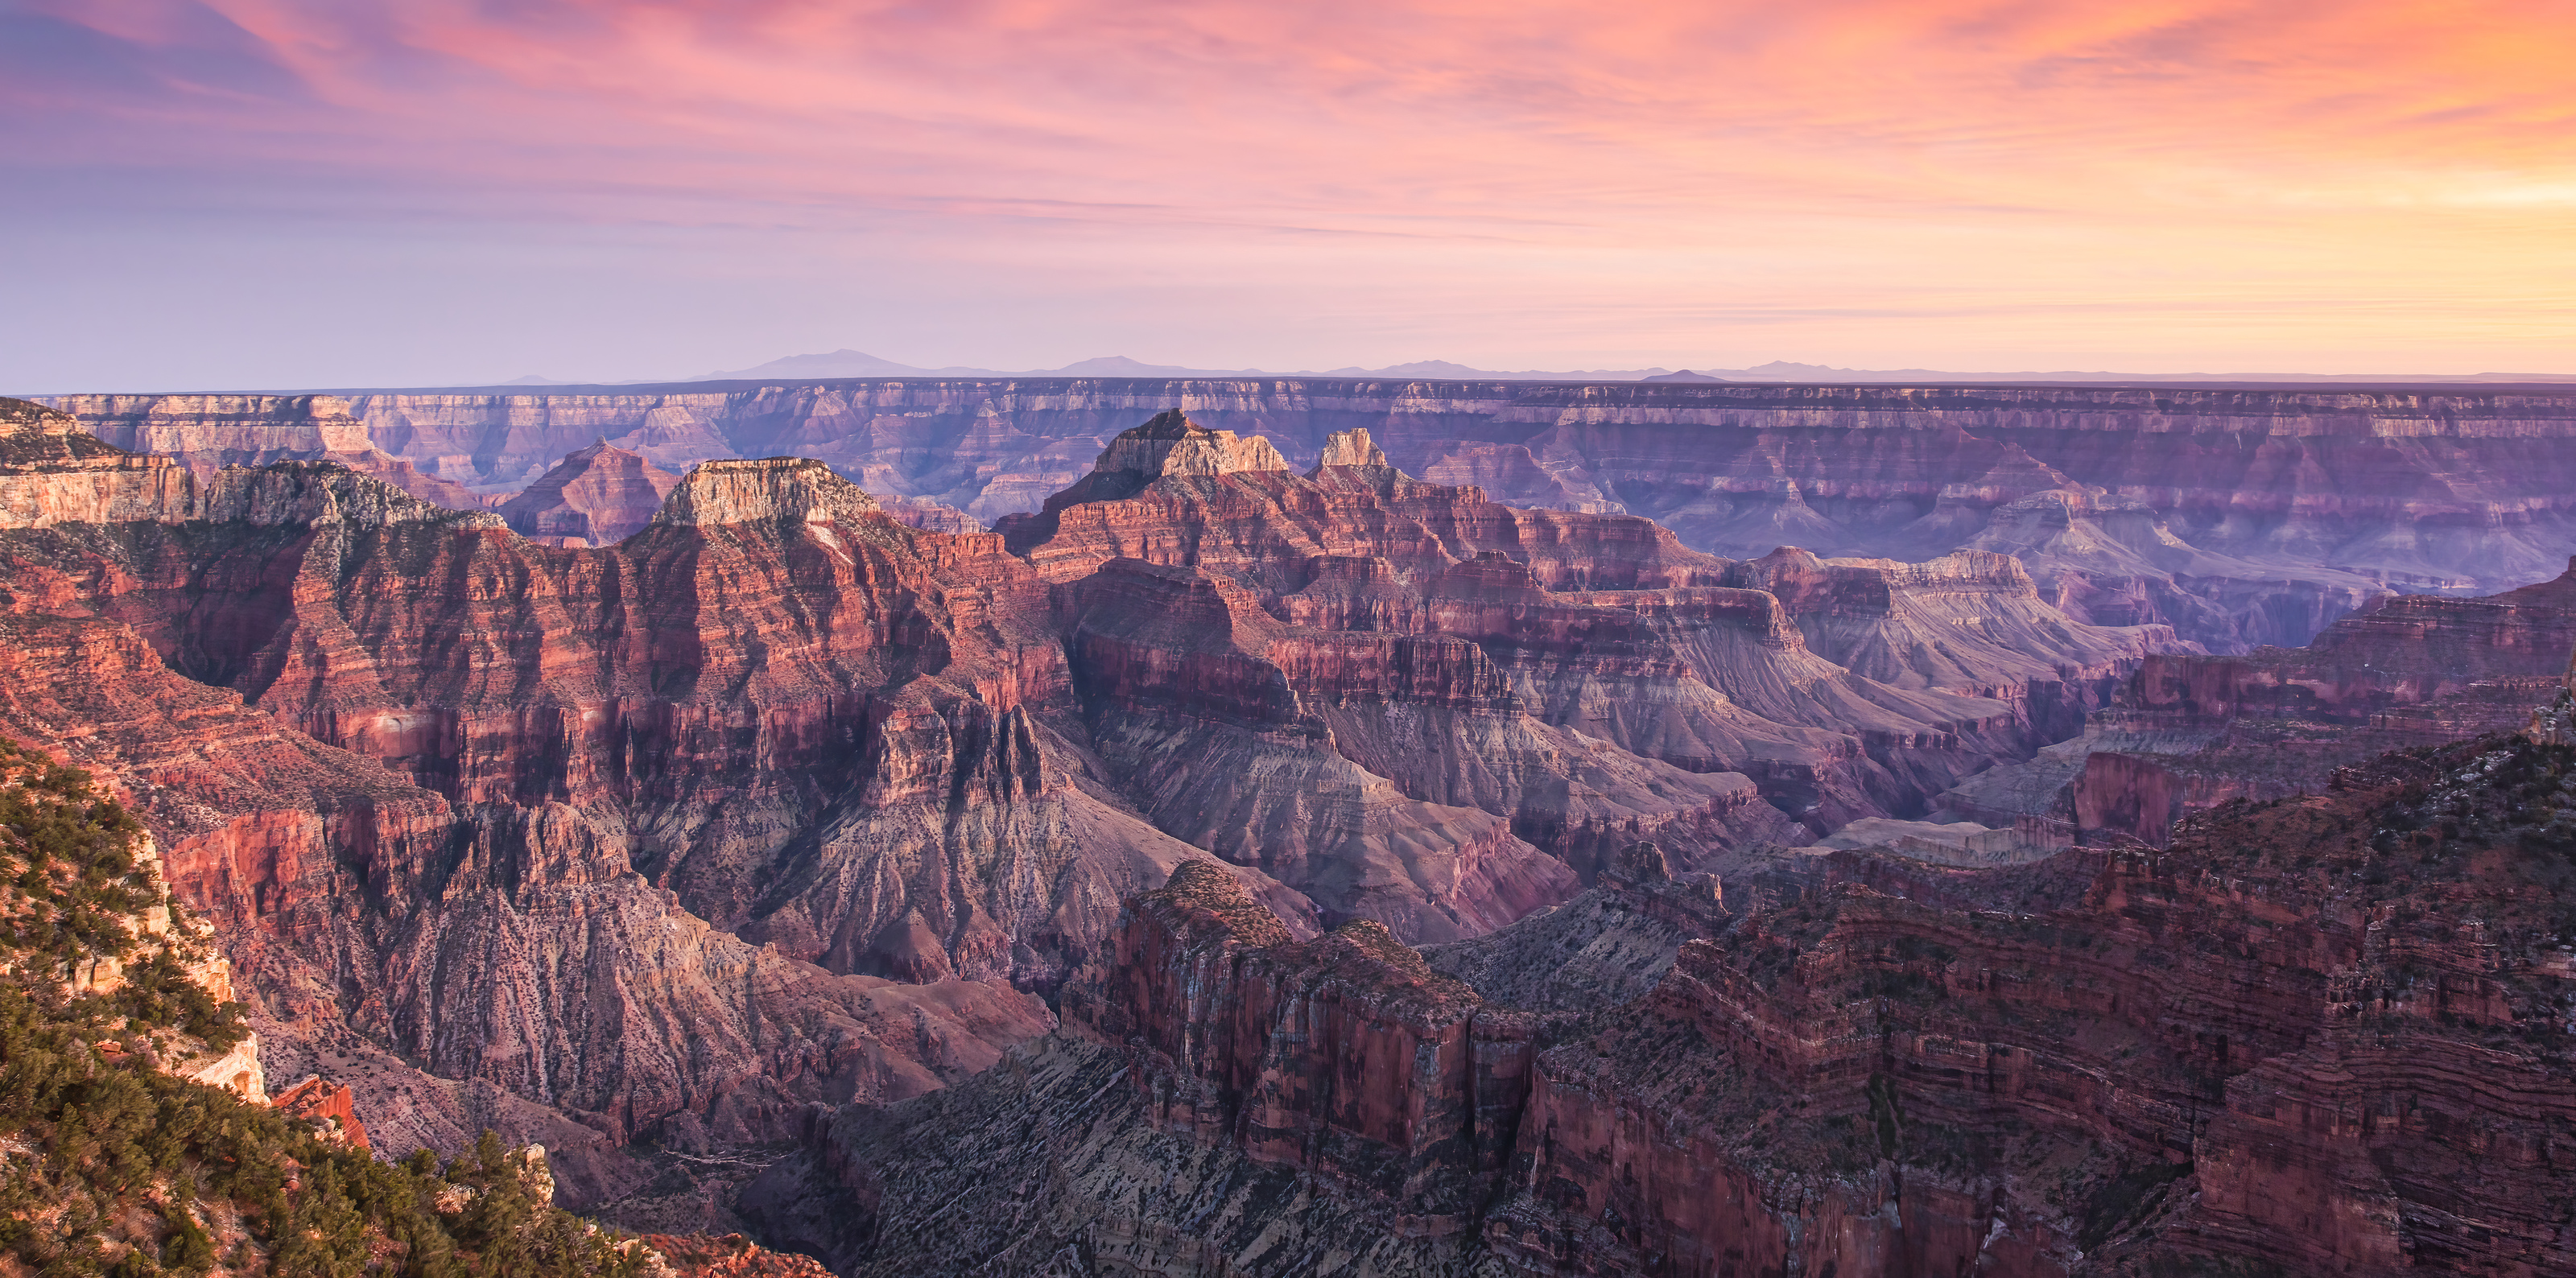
(851, 363)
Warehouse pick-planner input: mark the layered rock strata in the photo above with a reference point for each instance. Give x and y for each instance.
(417, 950)
(2187, 732)
(780, 799)
(208, 432)
(2329, 1035)
(1970, 621)
(468, 934)
(593, 497)
(2240, 516)
(1529, 649)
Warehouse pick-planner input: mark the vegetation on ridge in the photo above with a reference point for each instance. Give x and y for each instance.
(111, 1166)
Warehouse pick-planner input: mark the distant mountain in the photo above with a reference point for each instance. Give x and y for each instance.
(1784, 371)
(849, 363)
(1443, 370)
(1121, 366)
(841, 363)
(1436, 368)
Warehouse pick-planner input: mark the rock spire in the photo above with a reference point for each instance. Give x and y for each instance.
(1172, 444)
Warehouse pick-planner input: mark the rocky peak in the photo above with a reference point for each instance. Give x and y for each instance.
(18, 415)
(1172, 444)
(1641, 862)
(743, 491)
(35, 438)
(1352, 448)
(598, 494)
(1202, 897)
(317, 493)
(1352, 455)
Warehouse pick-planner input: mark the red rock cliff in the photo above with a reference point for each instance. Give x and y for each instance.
(2325, 1036)
(2205, 508)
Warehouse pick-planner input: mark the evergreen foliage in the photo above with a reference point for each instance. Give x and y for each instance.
(111, 1168)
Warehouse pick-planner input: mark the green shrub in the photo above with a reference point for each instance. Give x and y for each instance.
(113, 1140)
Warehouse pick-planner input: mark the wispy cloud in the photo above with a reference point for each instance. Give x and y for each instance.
(2068, 177)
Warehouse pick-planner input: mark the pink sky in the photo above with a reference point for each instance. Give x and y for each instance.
(335, 192)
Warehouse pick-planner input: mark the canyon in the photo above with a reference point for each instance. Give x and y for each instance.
(2335, 1034)
(2189, 731)
(1274, 862)
(782, 799)
(2239, 516)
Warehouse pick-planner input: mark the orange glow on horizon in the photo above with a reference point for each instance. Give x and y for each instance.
(1876, 182)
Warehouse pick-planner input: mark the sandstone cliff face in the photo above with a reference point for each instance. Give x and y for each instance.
(516, 952)
(1171, 444)
(2241, 517)
(53, 472)
(208, 432)
(1533, 649)
(2186, 732)
(780, 799)
(1210, 994)
(2328, 1035)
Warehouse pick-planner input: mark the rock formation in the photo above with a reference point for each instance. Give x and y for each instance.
(2188, 732)
(1172, 444)
(209, 432)
(2325, 1035)
(782, 817)
(779, 799)
(593, 497)
(130, 1154)
(2240, 517)
(731, 1256)
(1969, 621)
(332, 1108)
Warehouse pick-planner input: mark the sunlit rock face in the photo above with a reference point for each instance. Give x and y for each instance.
(208, 432)
(1172, 444)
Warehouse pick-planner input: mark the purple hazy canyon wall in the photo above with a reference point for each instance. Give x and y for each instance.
(2237, 516)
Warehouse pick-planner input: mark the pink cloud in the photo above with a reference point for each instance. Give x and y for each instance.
(1852, 155)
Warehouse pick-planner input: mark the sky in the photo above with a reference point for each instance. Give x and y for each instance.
(226, 194)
